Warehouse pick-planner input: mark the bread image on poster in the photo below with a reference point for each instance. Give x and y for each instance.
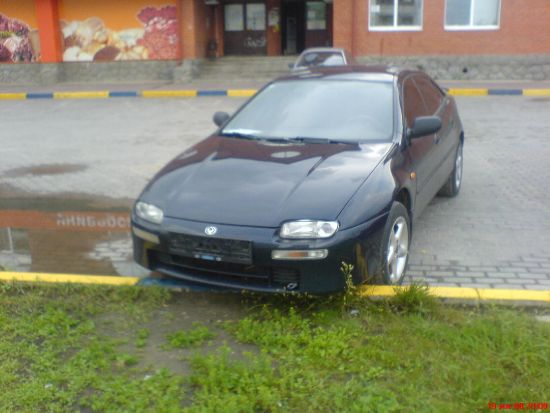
(90, 40)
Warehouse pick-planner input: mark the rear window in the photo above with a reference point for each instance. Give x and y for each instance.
(354, 111)
(321, 59)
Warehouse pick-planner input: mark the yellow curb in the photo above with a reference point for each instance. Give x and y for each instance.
(241, 92)
(102, 94)
(67, 278)
(365, 291)
(468, 92)
(536, 92)
(13, 96)
(168, 93)
(464, 293)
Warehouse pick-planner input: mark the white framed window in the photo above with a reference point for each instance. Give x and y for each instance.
(395, 15)
(234, 18)
(255, 16)
(472, 14)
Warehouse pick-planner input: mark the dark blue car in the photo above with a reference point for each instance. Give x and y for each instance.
(322, 167)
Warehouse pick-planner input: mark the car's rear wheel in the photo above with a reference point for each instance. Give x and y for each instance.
(451, 188)
(389, 264)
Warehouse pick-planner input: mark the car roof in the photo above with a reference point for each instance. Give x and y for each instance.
(351, 72)
(323, 49)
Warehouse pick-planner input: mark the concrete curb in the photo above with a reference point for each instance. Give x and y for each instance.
(189, 93)
(475, 294)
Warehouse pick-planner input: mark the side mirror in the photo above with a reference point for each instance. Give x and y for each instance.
(424, 125)
(220, 118)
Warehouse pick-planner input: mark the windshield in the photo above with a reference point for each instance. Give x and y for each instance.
(354, 111)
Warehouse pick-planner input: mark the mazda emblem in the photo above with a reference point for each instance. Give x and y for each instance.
(210, 230)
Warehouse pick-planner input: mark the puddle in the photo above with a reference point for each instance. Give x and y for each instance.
(67, 241)
(46, 169)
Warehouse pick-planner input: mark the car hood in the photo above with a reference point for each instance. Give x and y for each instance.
(260, 183)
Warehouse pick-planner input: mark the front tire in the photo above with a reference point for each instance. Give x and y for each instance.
(390, 262)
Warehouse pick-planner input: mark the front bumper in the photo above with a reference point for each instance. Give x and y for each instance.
(262, 273)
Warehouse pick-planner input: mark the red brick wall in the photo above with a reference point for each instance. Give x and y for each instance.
(273, 33)
(524, 29)
(203, 18)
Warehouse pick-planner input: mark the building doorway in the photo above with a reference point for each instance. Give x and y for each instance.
(305, 24)
(245, 27)
(293, 26)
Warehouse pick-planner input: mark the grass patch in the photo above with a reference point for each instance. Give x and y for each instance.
(199, 334)
(68, 348)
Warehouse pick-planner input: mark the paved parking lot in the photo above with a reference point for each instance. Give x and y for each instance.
(98, 155)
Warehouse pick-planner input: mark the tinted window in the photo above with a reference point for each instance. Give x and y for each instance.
(412, 100)
(349, 110)
(432, 95)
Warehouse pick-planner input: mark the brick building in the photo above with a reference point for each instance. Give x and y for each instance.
(452, 38)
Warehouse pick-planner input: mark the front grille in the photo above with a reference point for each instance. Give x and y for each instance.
(219, 271)
(211, 249)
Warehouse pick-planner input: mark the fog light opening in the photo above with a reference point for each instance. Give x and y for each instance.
(299, 254)
(147, 236)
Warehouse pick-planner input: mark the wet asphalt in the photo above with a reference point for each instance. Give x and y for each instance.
(72, 169)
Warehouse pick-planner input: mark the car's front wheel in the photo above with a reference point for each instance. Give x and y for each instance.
(390, 262)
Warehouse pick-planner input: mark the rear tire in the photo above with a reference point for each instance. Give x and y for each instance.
(389, 263)
(451, 188)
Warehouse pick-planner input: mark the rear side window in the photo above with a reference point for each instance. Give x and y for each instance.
(412, 102)
(432, 95)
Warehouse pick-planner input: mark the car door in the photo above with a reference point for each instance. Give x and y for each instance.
(438, 104)
(421, 150)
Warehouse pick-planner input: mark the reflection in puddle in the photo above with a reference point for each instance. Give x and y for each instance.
(49, 169)
(74, 242)
(14, 250)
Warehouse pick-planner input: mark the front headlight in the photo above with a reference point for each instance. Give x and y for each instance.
(149, 212)
(309, 229)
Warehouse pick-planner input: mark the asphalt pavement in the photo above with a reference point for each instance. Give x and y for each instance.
(71, 169)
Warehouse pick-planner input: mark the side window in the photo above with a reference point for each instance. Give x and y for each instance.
(432, 95)
(412, 102)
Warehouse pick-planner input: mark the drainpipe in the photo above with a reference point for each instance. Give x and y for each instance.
(353, 14)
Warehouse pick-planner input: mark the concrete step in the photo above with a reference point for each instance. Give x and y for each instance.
(245, 67)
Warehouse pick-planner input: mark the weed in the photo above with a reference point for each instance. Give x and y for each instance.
(141, 337)
(190, 338)
(414, 299)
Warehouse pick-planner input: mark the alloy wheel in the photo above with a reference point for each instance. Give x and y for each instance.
(398, 250)
(458, 167)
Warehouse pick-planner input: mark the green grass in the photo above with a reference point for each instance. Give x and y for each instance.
(116, 349)
(190, 338)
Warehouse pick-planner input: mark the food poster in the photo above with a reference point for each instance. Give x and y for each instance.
(19, 41)
(105, 31)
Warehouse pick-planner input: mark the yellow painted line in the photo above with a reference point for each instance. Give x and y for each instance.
(66, 278)
(468, 92)
(168, 93)
(536, 92)
(101, 94)
(241, 92)
(13, 96)
(464, 293)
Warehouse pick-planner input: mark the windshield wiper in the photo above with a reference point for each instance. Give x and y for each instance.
(243, 135)
(306, 139)
(240, 135)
